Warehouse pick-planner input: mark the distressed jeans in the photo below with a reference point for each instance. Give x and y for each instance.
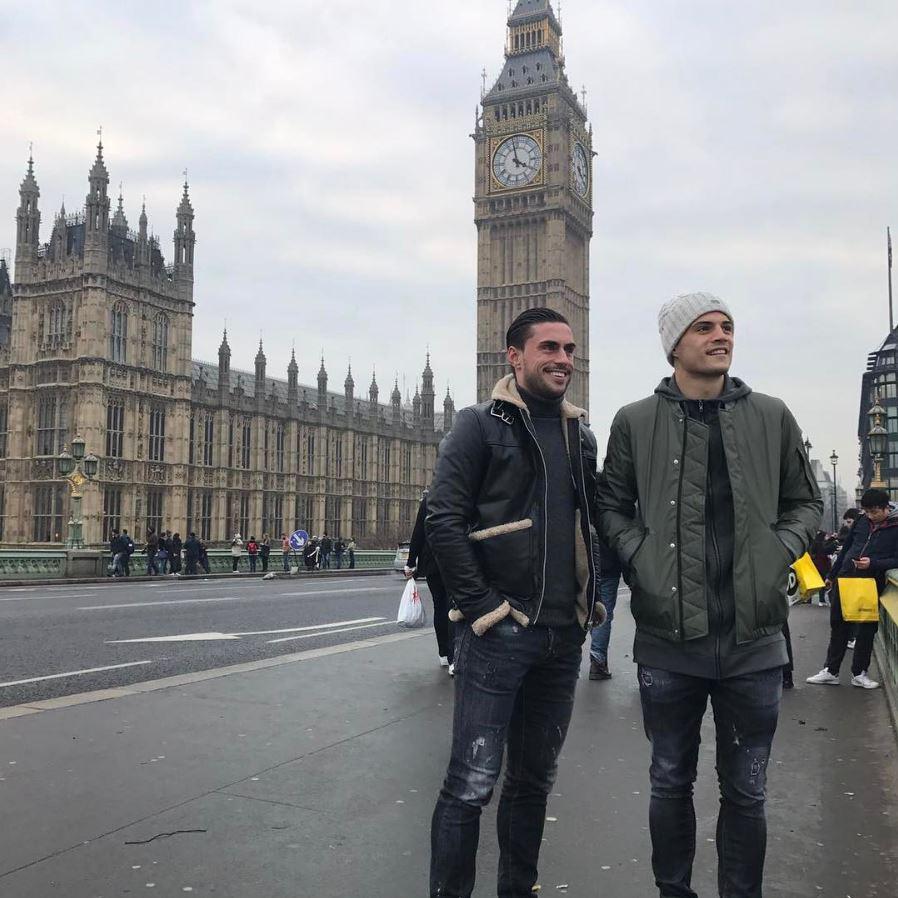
(745, 715)
(514, 689)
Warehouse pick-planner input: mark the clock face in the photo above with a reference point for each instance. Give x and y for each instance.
(580, 168)
(517, 161)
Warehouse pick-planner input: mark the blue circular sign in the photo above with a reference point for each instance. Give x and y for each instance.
(298, 540)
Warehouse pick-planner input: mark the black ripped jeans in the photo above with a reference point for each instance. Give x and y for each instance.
(514, 687)
(745, 715)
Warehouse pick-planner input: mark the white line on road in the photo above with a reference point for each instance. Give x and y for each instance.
(328, 632)
(317, 592)
(73, 673)
(214, 637)
(81, 595)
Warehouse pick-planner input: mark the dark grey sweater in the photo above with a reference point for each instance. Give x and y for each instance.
(559, 603)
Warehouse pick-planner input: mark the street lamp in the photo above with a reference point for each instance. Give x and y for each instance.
(807, 447)
(834, 461)
(877, 438)
(77, 470)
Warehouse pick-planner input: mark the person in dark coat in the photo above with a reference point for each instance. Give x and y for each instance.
(192, 550)
(870, 551)
(152, 547)
(128, 551)
(421, 563)
(174, 553)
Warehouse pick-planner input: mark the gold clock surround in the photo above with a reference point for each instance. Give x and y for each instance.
(496, 186)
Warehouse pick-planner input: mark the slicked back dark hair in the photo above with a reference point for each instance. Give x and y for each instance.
(522, 327)
(875, 499)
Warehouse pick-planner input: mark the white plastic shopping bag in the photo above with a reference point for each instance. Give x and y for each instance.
(411, 608)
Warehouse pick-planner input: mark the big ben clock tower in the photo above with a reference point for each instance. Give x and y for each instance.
(533, 197)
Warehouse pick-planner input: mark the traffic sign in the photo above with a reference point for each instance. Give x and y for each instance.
(298, 540)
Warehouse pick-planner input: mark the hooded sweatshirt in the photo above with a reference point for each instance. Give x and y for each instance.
(717, 655)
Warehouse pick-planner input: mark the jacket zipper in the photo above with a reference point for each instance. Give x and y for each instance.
(542, 593)
(716, 548)
(588, 535)
(680, 526)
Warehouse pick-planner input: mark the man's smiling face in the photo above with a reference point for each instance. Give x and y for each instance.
(545, 365)
(706, 349)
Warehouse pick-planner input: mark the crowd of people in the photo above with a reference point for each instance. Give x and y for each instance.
(165, 553)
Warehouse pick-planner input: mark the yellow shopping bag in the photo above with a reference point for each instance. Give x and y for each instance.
(860, 600)
(809, 579)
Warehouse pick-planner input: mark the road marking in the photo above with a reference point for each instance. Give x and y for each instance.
(319, 592)
(82, 595)
(212, 637)
(328, 632)
(73, 673)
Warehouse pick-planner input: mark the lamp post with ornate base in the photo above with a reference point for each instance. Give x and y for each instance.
(77, 470)
(834, 461)
(878, 438)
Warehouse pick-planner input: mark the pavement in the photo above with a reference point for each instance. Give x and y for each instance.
(315, 774)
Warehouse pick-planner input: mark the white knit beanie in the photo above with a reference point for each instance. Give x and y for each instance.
(677, 314)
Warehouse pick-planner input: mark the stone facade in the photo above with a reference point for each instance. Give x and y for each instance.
(100, 345)
(533, 196)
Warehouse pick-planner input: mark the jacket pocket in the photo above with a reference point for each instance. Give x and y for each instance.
(507, 557)
(771, 561)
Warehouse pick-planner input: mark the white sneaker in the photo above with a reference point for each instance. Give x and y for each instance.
(864, 682)
(850, 644)
(444, 662)
(451, 670)
(824, 678)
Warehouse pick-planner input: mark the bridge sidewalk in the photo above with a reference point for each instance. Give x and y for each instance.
(318, 778)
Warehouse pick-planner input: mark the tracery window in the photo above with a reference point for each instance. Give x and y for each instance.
(160, 342)
(118, 333)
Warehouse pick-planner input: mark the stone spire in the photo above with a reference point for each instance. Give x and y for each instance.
(373, 391)
(143, 247)
(28, 218)
(448, 411)
(416, 406)
(322, 387)
(224, 366)
(396, 402)
(349, 391)
(185, 238)
(428, 395)
(260, 373)
(119, 222)
(292, 379)
(96, 209)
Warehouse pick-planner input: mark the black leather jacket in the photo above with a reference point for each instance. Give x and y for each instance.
(486, 520)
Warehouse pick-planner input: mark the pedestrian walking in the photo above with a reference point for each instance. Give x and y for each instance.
(310, 554)
(600, 638)
(339, 551)
(204, 558)
(870, 550)
(252, 551)
(421, 563)
(128, 551)
(350, 550)
(151, 549)
(286, 548)
(707, 497)
(508, 522)
(327, 548)
(174, 553)
(162, 552)
(192, 550)
(117, 549)
(236, 552)
(265, 551)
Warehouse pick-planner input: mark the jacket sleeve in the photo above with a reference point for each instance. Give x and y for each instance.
(451, 509)
(800, 506)
(418, 536)
(616, 495)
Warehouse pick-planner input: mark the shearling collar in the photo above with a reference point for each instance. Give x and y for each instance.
(507, 391)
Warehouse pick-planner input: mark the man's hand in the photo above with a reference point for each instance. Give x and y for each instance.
(828, 583)
(862, 564)
(409, 572)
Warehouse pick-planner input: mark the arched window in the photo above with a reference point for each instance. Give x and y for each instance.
(56, 323)
(160, 342)
(118, 333)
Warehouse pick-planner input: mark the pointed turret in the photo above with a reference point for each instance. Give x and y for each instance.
(224, 367)
(260, 374)
(428, 395)
(28, 218)
(322, 387)
(59, 239)
(96, 214)
(5, 304)
(373, 391)
(119, 222)
(143, 246)
(396, 403)
(292, 379)
(185, 239)
(448, 412)
(349, 391)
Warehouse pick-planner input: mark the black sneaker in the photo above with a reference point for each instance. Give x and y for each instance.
(788, 682)
(598, 670)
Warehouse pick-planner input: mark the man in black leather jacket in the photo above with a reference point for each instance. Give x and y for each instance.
(509, 524)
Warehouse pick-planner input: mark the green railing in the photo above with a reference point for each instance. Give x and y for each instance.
(48, 564)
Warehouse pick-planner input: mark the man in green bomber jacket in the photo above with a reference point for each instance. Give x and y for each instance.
(707, 497)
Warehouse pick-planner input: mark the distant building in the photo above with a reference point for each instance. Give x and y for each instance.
(96, 340)
(880, 381)
(825, 485)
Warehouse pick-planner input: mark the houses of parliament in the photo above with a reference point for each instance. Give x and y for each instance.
(96, 341)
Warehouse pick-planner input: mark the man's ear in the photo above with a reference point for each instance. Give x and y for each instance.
(513, 354)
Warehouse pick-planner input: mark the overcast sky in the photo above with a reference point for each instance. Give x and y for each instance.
(747, 149)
